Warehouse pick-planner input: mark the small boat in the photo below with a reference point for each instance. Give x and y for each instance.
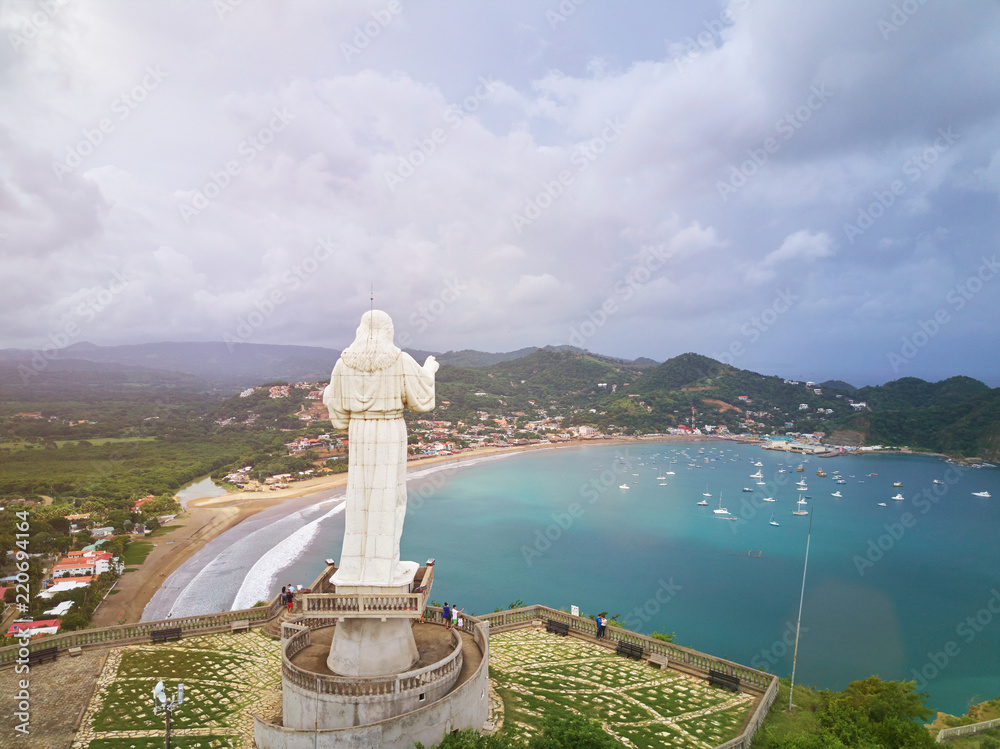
(881, 504)
(703, 503)
(757, 475)
(836, 494)
(981, 494)
(661, 478)
(772, 521)
(841, 481)
(937, 481)
(758, 464)
(800, 469)
(663, 483)
(897, 483)
(898, 497)
(821, 474)
(768, 499)
(722, 510)
(747, 489)
(624, 486)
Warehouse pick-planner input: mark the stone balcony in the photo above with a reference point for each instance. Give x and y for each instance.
(326, 603)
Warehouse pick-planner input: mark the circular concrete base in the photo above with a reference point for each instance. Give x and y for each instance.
(369, 647)
(414, 711)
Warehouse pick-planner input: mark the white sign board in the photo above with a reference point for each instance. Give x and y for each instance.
(574, 610)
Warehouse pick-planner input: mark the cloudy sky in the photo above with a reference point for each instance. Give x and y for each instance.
(802, 189)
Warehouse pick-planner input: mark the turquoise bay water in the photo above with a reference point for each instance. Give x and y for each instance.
(889, 589)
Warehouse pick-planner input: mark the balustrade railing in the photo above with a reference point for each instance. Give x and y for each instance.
(408, 605)
(675, 653)
(969, 730)
(362, 686)
(127, 633)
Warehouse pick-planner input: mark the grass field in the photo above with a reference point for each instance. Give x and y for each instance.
(226, 677)
(156, 742)
(105, 440)
(137, 552)
(163, 530)
(539, 674)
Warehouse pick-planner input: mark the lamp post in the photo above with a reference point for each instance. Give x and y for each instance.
(161, 700)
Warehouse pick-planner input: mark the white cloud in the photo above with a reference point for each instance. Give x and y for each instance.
(413, 102)
(802, 245)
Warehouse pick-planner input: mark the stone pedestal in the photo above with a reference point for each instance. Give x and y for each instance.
(374, 646)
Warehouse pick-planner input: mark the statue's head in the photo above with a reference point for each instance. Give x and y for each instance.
(376, 325)
(373, 347)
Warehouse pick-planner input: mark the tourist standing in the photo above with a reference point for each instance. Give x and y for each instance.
(455, 611)
(446, 615)
(602, 624)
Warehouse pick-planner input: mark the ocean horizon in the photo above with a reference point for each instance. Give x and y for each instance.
(909, 590)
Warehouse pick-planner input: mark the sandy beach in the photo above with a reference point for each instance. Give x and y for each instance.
(208, 517)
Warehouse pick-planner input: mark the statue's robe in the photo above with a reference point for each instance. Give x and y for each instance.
(370, 406)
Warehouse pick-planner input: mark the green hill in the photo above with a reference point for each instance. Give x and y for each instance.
(959, 415)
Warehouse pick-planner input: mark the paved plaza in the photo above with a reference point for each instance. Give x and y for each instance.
(229, 677)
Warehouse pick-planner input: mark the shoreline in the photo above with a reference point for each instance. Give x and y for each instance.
(206, 518)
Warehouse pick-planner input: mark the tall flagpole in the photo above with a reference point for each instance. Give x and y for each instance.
(798, 626)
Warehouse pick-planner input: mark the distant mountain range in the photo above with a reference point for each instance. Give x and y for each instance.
(224, 364)
(958, 415)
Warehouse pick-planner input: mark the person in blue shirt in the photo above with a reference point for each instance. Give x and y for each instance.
(446, 613)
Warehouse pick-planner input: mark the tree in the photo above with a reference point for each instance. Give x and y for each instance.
(878, 713)
(73, 620)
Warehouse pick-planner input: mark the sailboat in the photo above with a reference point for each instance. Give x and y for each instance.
(772, 521)
(800, 511)
(706, 492)
(722, 510)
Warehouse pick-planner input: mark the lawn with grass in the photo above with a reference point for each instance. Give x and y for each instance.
(105, 440)
(225, 677)
(163, 530)
(137, 552)
(539, 674)
(156, 742)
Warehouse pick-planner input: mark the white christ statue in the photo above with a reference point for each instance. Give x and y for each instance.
(372, 382)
